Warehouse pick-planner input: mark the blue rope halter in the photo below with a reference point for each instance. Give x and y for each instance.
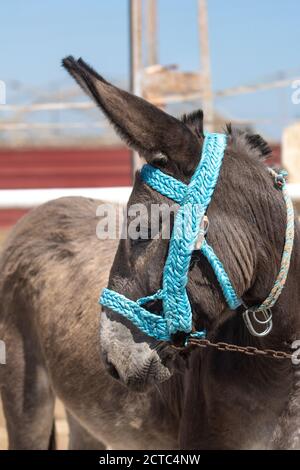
(194, 199)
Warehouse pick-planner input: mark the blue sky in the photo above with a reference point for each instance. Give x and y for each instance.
(250, 41)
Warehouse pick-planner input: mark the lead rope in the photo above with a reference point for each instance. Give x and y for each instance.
(270, 301)
(250, 314)
(279, 284)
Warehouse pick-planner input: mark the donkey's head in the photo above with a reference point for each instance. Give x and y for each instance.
(238, 231)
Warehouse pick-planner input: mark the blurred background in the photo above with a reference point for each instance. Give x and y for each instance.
(236, 59)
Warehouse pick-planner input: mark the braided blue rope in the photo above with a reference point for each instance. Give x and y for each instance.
(193, 199)
(176, 190)
(147, 322)
(229, 293)
(177, 308)
(164, 184)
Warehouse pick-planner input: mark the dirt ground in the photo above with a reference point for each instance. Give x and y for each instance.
(3, 234)
(60, 421)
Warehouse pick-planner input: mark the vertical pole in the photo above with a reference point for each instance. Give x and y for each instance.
(151, 18)
(207, 100)
(135, 15)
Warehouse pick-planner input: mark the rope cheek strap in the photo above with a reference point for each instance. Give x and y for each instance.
(194, 199)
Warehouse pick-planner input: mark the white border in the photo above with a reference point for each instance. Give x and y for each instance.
(26, 198)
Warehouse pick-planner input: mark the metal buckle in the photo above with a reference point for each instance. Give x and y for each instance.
(250, 322)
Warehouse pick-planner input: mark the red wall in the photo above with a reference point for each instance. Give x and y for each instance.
(61, 168)
(64, 168)
(9, 217)
(67, 168)
(275, 158)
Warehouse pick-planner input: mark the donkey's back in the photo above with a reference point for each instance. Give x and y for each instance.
(52, 269)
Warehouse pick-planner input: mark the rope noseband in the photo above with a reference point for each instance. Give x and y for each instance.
(188, 233)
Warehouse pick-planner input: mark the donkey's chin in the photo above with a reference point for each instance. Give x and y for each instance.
(152, 373)
(135, 364)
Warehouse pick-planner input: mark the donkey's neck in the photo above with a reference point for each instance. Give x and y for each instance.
(286, 324)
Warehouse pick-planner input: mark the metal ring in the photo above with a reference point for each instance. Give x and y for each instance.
(250, 326)
(268, 316)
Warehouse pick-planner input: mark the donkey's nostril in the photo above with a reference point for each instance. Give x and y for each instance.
(112, 370)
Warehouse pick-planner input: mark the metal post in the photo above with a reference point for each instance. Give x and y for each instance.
(151, 21)
(135, 14)
(207, 101)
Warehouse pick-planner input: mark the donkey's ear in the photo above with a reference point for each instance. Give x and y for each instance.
(144, 127)
(194, 121)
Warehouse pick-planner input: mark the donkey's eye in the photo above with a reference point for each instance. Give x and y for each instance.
(142, 234)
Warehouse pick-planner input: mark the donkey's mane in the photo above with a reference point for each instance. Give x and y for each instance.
(241, 140)
(252, 143)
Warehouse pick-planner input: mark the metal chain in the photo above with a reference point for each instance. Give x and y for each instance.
(248, 350)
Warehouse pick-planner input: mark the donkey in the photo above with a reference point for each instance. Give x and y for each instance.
(144, 393)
